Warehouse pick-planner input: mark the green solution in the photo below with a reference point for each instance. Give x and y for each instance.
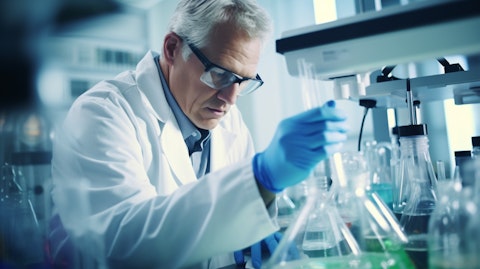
(388, 247)
(365, 260)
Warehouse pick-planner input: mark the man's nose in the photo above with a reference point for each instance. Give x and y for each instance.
(229, 94)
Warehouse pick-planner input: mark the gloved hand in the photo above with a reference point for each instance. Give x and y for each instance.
(299, 144)
(269, 244)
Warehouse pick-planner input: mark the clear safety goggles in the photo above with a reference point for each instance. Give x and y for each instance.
(218, 78)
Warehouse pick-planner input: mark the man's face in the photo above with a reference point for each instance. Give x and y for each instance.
(203, 105)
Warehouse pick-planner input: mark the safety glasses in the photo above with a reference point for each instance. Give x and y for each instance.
(218, 78)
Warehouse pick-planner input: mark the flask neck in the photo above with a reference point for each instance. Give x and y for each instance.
(317, 184)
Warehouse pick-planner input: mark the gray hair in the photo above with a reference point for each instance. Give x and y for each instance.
(194, 20)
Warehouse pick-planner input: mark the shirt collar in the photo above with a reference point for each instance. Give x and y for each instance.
(190, 133)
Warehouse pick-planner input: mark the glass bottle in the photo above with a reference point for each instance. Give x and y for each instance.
(31, 155)
(476, 147)
(418, 189)
(461, 159)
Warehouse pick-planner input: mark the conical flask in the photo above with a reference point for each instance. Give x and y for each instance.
(374, 226)
(449, 234)
(318, 236)
(473, 223)
(418, 190)
(321, 238)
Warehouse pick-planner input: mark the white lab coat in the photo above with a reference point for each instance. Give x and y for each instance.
(120, 159)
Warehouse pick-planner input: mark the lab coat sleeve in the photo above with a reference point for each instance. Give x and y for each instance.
(104, 197)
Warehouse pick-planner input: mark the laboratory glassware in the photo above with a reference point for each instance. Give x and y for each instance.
(441, 174)
(473, 224)
(318, 235)
(461, 159)
(374, 226)
(321, 236)
(416, 190)
(379, 160)
(476, 146)
(448, 237)
(286, 210)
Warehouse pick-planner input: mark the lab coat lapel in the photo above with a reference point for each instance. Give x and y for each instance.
(220, 145)
(172, 142)
(148, 81)
(176, 152)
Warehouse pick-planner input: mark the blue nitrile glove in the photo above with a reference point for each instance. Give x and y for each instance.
(269, 244)
(299, 144)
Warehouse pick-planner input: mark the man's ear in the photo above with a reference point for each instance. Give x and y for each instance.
(172, 47)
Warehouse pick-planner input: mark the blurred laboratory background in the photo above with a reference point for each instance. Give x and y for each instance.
(53, 51)
(76, 55)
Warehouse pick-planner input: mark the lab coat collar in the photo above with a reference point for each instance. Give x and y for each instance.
(176, 152)
(174, 147)
(148, 81)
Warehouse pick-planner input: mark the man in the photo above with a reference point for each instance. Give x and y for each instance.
(156, 168)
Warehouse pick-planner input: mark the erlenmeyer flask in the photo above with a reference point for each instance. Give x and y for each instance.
(473, 223)
(318, 236)
(418, 183)
(321, 238)
(448, 234)
(374, 226)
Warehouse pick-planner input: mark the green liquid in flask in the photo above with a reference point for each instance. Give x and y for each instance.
(365, 260)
